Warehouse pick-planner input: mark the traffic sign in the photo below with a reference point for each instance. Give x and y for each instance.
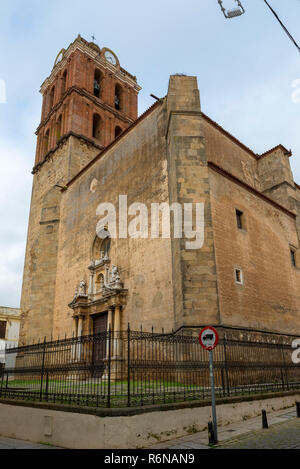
(209, 338)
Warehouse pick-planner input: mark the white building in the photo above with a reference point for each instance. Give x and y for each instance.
(10, 319)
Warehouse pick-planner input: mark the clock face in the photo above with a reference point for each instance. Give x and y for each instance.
(59, 57)
(110, 57)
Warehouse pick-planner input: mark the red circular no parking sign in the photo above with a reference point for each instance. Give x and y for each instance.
(208, 338)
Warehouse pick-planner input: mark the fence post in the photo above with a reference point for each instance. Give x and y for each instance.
(264, 419)
(284, 368)
(226, 365)
(43, 369)
(3, 369)
(282, 378)
(6, 385)
(298, 409)
(47, 385)
(128, 367)
(109, 365)
(2, 380)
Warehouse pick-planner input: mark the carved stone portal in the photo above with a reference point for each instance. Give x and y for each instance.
(105, 294)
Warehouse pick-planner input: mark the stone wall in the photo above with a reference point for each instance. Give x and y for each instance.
(73, 430)
(135, 166)
(38, 290)
(269, 297)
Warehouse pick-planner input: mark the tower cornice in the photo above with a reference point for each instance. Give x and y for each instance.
(92, 98)
(90, 50)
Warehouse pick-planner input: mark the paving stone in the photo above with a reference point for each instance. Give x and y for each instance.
(284, 435)
(284, 432)
(10, 443)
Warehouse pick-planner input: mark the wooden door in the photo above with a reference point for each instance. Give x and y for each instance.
(99, 344)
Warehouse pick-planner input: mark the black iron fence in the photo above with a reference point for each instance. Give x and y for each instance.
(129, 368)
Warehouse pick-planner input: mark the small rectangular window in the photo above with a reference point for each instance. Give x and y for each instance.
(293, 258)
(239, 219)
(2, 329)
(238, 276)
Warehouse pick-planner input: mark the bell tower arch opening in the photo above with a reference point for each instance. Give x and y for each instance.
(64, 83)
(98, 83)
(51, 101)
(97, 127)
(59, 128)
(46, 142)
(118, 97)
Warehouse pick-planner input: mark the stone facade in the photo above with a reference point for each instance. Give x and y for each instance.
(244, 276)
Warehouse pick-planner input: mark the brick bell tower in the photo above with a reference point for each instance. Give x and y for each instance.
(88, 101)
(88, 95)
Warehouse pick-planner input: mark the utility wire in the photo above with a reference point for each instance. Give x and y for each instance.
(282, 25)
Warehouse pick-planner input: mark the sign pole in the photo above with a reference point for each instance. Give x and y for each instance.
(209, 339)
(213, 397)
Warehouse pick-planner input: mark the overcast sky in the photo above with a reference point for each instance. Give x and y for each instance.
(245, 67)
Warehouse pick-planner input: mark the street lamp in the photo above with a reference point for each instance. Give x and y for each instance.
(234, 12)
(240, 11)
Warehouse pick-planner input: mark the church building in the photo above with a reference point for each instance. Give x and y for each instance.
(92, 148)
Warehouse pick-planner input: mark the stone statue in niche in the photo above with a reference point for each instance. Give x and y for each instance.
(115, 281)
(81, 291)
(82, 288)
(114, 273)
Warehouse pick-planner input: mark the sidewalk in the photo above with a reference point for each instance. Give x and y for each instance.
(9, 443)
(283, 432)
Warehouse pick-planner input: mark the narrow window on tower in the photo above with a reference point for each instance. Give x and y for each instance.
(118, 97)
(97, 127)
(239, 219)
(64, 83)
(97, 83)
(238, 274)
(293, 257)
(59, 128)
(51, 98)
(46, 142)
